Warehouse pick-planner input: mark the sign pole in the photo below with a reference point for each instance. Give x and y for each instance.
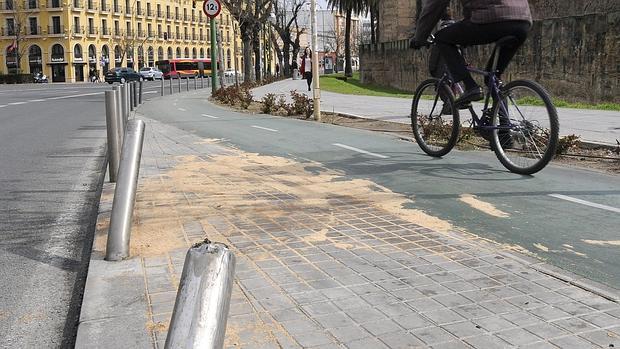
(213, 56)
(316, 91)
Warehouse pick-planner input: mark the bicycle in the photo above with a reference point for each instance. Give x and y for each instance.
(523, 144)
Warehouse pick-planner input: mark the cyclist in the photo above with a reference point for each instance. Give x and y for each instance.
(485, 21)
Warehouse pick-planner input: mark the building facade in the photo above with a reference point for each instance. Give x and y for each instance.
(68, 39)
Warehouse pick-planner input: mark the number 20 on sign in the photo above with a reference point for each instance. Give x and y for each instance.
(212, 8)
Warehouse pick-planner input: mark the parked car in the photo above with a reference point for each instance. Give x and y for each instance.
(151, 73)
(122, 75)
(231, 73)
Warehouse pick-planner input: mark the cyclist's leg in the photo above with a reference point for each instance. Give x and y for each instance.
(518, 29)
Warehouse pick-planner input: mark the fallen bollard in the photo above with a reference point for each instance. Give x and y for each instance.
(111, 120)
(203, 299)
(119, 232)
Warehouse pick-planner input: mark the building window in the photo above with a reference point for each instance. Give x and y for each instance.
(35, 59)
(56, 29)
(58, 53)
(104, 27)
(77, 52)
(34, 28)
(91, 26)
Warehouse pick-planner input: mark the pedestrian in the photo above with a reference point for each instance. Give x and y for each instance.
(277, 69)
(306, 66)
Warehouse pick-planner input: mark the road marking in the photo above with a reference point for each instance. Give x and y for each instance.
(150, 92)
(37, 100)
(2, 106)
(360, 150)
(265, 128)
(584, 202)
(210, 116)
(17, 103)
(73, 96)
(181, 109)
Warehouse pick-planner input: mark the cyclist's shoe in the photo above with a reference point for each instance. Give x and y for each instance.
(471, 95)
(505, 138)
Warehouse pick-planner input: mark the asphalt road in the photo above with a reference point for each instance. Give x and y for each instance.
(566, 216)
(52, 157)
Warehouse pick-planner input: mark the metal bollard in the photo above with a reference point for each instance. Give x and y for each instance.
(119, 117)
(187, 83)
(203, 299)
(170, 85)
(131, 95)
(162, 86)
(195, 83)
(119, 233)
(179, 81)
(202, 81)
(140, 92)
(111, 120)
(124, 102)
(135, 94)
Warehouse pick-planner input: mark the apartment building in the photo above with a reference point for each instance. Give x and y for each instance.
(66, 39)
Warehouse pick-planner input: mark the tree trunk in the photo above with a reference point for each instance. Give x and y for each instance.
(348, 70)
(377, 26)
(246, 38)
(286, 51)
(257, 53)
(372, 27)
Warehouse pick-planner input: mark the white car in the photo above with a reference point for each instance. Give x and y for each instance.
(231, 73)
(151, 73)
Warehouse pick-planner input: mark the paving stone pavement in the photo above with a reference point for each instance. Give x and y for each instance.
(370, 280)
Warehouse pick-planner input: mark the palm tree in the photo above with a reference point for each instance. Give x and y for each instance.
(348, 7)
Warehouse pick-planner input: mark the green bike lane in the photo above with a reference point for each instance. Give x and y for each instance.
(568, 217)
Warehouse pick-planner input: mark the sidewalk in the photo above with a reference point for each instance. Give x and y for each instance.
(595, 126)
(323, 261)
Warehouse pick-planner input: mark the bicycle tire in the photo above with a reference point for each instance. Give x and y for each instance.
(531, 141)
(433, 136)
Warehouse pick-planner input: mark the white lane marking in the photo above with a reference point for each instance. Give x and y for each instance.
(181, 109)
(265, 128)
(210, 116)
(2, 106)
(150, 92)
(360, 150)
(584, 202)
(17, 103)
(37, 100)
(73, 96)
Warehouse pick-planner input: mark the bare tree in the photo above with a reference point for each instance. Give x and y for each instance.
(18, 28)
(250, 14)
(287, 26)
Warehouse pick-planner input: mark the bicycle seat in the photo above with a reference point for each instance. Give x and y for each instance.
(506, 41)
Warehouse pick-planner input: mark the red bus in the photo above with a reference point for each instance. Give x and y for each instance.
(182, 67)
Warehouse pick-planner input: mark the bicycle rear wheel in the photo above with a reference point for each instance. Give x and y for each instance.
(434, 118)
(528, 127)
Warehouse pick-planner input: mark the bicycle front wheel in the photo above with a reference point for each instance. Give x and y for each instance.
(434, 118)
(527, 124)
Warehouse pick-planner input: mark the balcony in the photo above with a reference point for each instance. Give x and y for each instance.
(105, 7)
(105, 31)
(150, 13)
(185, 17)
(77, 5)
(92, 31)
(187, 37)
(32, 5)
(178, 36)
(177, 17)
(77, 30)
(54, 5)
(128, 11)
(117, 33)
(34, 30)
(118, 9)
(91, 6)
(150, 34)
(139, 12)
(7, 31)
(55, 30)
(202, 37)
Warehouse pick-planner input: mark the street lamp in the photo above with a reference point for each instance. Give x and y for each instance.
(316, 92)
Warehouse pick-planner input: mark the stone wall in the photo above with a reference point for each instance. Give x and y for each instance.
(575, 58)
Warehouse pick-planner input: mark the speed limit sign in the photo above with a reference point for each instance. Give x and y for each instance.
(212, 8)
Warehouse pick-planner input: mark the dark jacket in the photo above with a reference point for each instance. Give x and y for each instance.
(475, 11)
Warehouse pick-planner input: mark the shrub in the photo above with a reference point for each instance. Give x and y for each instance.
(269, 103)
(245, 97)
(16, 78)
(284, 106)
(302, 105)
(567, 143)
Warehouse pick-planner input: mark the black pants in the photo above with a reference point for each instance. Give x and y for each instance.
(465, 33)
(308, 77)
